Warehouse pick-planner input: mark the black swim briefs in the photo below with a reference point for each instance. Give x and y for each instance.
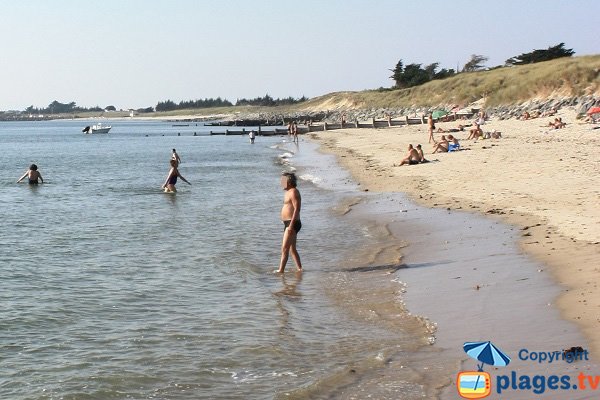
(297, 225)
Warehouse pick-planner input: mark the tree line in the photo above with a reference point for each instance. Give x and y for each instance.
(265, 101)
(406, 76)
(57, 107)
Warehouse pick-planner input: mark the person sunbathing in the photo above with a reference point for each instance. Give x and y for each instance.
(558, 123)
(441, 146)
(493, 135)
(459, 129)
(421, 155)
(475, 132)
(453, 145)
(412, 157)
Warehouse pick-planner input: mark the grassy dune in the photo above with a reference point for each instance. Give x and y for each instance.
(565, 77)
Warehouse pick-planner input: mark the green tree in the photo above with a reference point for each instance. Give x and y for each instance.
(398, 74)
(475, 63)
(535, 56)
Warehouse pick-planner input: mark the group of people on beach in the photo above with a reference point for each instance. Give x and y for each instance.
(449, 143)
(290, 212)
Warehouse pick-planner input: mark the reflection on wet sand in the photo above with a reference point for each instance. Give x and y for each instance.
(289, 292)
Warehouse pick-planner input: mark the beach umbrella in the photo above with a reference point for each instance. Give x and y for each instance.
(593, 110)
(438, 113)
(487, 353)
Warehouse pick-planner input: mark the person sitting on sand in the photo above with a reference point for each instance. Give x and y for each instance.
(493, 135)
(172, 176)
(525, 116)
(421, 155)
(453, 144)
(475, 132)
(442, 146)
(558, 123)
(412, 157)
(33, 174)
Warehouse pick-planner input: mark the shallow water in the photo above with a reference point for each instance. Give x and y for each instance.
(113, 289)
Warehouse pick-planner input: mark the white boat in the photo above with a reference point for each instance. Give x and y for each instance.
(97, 129)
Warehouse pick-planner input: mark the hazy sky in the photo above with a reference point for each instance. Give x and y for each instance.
(132, 54)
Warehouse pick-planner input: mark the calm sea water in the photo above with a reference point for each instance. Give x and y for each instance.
(111, 289)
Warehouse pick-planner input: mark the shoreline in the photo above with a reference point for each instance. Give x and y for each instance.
(536, 240)
(571, 252)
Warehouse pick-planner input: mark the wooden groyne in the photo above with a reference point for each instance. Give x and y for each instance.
(326, 126)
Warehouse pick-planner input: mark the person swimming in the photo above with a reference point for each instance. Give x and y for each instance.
(33, 175)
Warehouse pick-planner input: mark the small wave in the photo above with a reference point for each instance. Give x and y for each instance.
(311, 178)
(286, 155)
(249, 376)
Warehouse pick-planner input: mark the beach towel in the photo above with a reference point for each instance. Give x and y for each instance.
(453, 147)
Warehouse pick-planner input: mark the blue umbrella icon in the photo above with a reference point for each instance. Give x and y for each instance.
(487, 353)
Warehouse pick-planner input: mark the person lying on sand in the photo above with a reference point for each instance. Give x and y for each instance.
(412, 157)
(459, 129)
(441, 146)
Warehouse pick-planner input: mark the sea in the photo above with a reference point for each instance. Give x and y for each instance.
(112, 289)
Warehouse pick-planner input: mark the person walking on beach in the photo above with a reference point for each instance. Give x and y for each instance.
(431, 127)
(290, 216)
(176, 157)
(169, 185)
(33, 175)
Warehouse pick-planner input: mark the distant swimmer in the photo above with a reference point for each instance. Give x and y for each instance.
(33, 175)
(171, 180)
(252, 136)
(290, 216)
(176, 157)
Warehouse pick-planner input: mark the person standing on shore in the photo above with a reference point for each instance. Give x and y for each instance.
(295, 131)
(176, 157)
(431, 127)
(169, 185)
(290, 216)
(33, 174)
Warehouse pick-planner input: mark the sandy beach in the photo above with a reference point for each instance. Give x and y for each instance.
(542, 181)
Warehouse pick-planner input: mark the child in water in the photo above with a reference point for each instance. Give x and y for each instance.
(33, 174)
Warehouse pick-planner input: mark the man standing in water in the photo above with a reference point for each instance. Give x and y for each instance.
(290, 215)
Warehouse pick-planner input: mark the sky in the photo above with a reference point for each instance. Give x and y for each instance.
(135, 53)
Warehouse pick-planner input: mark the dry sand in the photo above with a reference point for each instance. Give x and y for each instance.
(544, 181)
